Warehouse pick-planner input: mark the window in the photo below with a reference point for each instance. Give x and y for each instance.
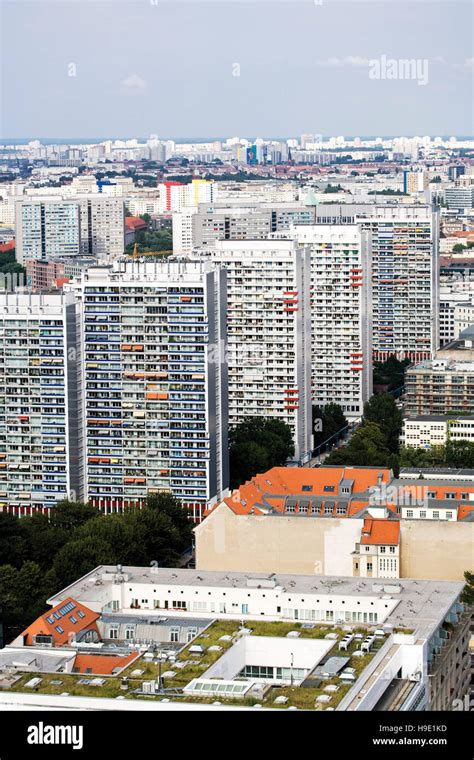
(436, 515)
(113, 632)
(72, 619)
(382, 550)
(174, 635)
(307, 488)
(369, 567)
(329, 488)
(422, 513)
(191, 633)
(392, 550)
(179, 605)
(449, 515)
(80, 614)
(409, 513)
(129, 632)
(59, 629)
(43, 639)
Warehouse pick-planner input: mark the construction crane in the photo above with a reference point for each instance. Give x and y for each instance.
(138, 255)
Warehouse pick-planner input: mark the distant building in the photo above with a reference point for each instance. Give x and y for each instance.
(460, 197)
(52, 228)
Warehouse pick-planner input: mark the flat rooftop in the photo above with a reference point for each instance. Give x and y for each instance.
(422, 604)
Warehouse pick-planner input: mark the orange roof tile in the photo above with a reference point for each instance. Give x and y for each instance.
(61, 621)
(269, 489)
(378, 531)
(102, 665)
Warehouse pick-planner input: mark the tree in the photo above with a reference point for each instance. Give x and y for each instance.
(72, 514)
(13, 541)
(390, 372)
(256, 445)
(23, 593)
(467, 596)
(81, 555)
(327, 421)
(459, 248)
(383, 410)
(367, 447)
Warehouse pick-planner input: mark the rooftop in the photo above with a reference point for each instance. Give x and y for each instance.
(419, 604)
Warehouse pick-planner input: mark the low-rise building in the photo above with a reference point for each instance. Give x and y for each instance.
(425, 431)
(348, 521)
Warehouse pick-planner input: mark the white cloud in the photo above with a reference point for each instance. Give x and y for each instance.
(133, 85)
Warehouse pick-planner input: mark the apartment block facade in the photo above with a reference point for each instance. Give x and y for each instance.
(39, 413)
(52, 228)
(269, 333)
(341, 314)
(155, 383)
(252, 222)
(440, 387)
(405, 274)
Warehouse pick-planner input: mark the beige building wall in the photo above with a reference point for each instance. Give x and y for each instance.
(432, 549)
(429, 549)
(279, 544)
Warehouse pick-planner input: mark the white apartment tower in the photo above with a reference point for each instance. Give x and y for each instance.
(341, 314)
(405, 274)
(155, 383)
(269, 333)
(39, 414)
(51, 228)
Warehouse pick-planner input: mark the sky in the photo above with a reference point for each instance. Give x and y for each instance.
(265, 68)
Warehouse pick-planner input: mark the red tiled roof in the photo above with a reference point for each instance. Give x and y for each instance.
(5, 247)
(62, 616)
(378, 532)
(135, 223)
(270, 489)
(102, 665)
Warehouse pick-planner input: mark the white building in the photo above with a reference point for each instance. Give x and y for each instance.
(423, 623)
(175, 196)
(155, 383)
(39, 412)
(341, 314)
(182, 223)
(424, 431)
(56, 227)
(269, 333)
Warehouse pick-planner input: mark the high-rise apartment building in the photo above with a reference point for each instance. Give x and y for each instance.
(341, 314)
(269, 333)
(405, 274)
(175, 196)
(46, 228)
(51, 228)
(102, 226)
(155, 383)
(39, 414)
(250, 222)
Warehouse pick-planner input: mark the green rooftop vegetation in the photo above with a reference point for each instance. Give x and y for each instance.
(302, 698)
